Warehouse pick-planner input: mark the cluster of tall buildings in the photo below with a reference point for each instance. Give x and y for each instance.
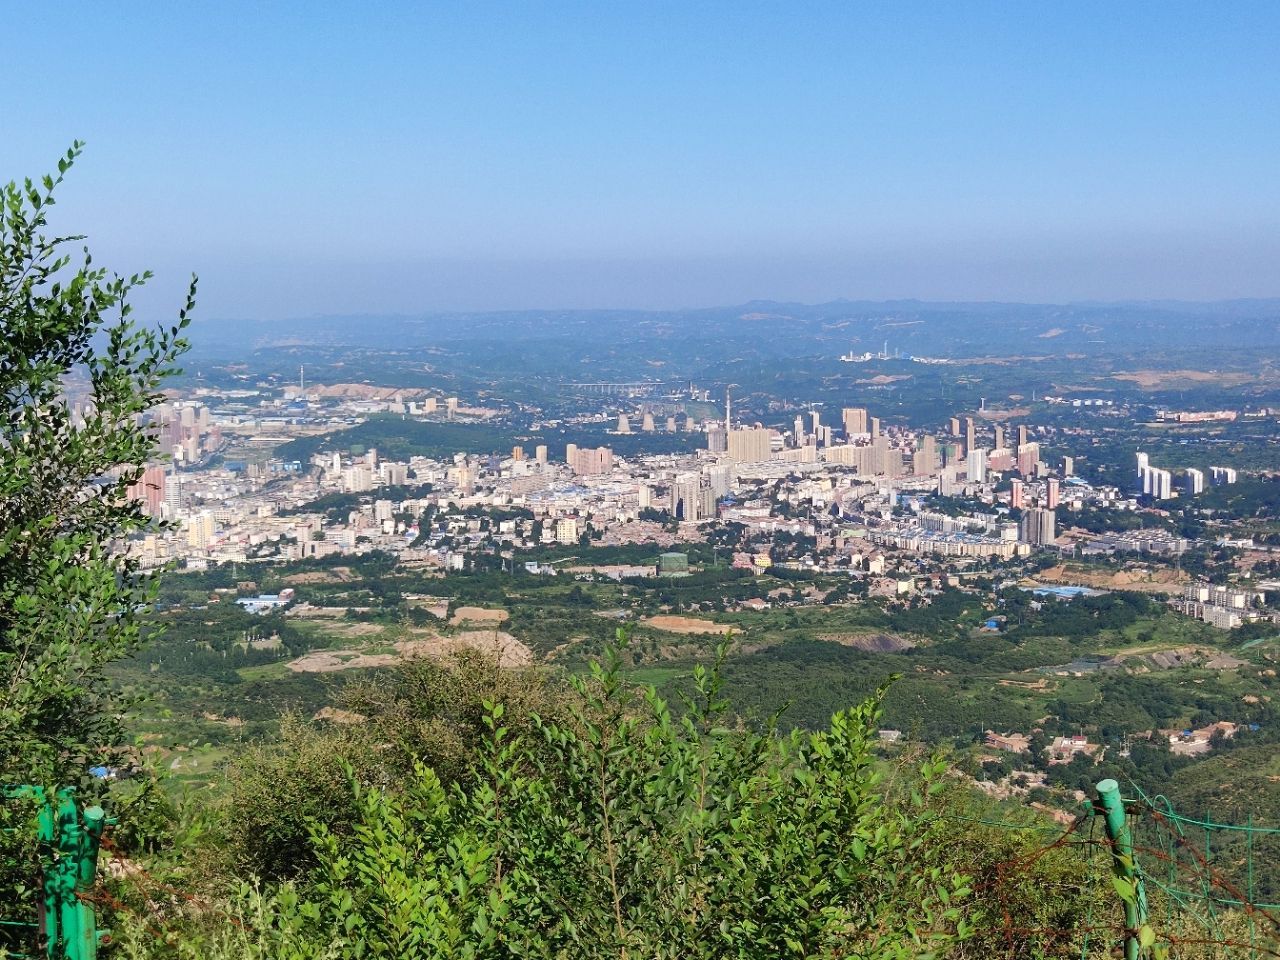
(1038, 527)
(185, 434)
(367, 472)
(862, 443)
(1219, 606)
(539, 454)
(588, 461)
(185, 431)
(690, 499)
(1158, 484)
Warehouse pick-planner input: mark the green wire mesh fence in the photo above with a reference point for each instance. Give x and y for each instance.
(1163, 885)
(1220, 879)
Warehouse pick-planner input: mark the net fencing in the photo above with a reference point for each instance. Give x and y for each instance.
(1132, 877)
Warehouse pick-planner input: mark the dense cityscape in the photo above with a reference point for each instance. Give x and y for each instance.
(860, 496)
(640, 482)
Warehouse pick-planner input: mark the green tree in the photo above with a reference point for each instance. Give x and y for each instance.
(77, 376)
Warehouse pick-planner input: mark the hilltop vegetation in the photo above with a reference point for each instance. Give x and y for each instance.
(489, 812)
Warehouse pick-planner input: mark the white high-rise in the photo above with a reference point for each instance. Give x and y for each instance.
(977, 466)
(1222, 475)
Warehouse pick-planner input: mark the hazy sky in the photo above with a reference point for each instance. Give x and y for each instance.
(327, 157)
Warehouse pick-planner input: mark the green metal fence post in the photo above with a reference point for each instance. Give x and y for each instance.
(46, 833)
(1123, 864)
(86, 877)
(67, 841)
(66, 869)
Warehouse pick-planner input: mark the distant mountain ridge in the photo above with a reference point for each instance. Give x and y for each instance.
(911, 326)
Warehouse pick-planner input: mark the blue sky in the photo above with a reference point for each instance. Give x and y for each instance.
(398, 157)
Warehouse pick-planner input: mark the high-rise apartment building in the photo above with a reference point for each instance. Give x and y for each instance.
(925, 462)
(1157, 483)
(149, 489)
(173, 499)
(1028, 458)
(854, 420)
(1161, 483)
(567, 530)
(1038, 527)
(1017, 495)
(357, 478)
(976, 469)
(200, 528)
(749, 445)
(1052, 493)
(1194, 481)
(589, 461)
(686, 498)
(719, 478)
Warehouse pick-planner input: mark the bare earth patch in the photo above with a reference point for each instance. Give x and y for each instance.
(330, 661)
(870, 642)
(477, 615)
(674, 624)
(885, 378)
(1160, 580)
(1050, 334)
(307, 612)
(1151, 379)
(509, 651)
(1040, 685)
(438, 607)
(334, 575)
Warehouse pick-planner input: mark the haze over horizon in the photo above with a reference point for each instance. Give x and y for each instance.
(408, 160)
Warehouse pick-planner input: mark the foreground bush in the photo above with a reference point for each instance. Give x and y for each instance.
(621, 831)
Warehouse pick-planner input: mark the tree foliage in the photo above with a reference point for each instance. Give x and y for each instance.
(77, 374)
(621, 830)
